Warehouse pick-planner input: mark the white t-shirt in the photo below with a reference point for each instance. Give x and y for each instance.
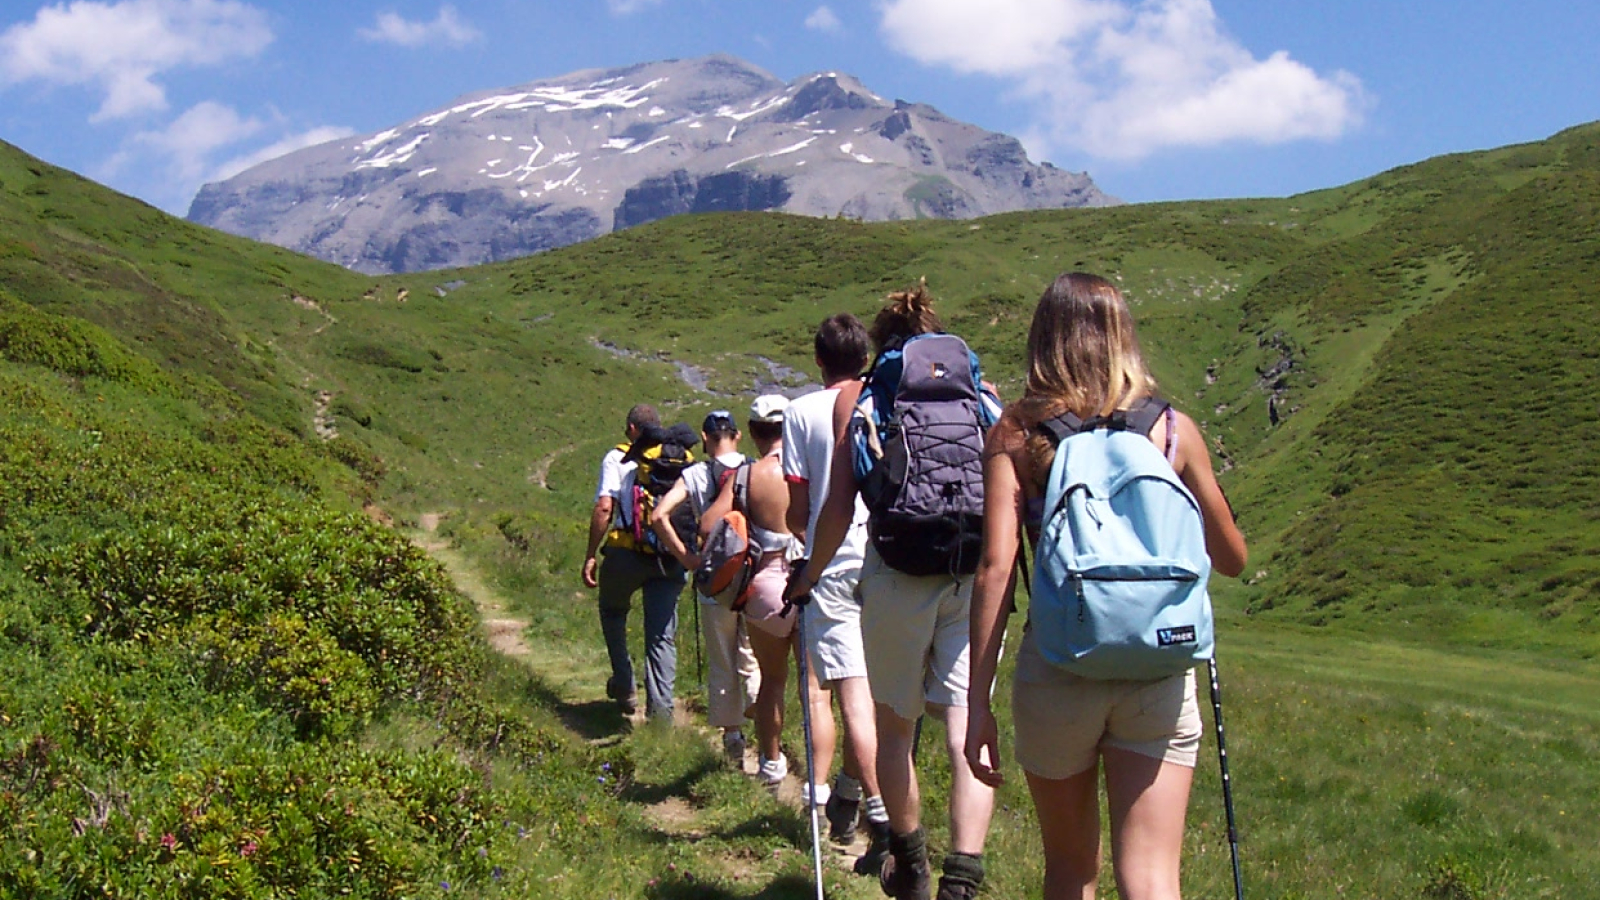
(612, 468)
(808, 460)
(697, 482)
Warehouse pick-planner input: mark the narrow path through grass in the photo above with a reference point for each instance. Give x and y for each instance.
(674, 812)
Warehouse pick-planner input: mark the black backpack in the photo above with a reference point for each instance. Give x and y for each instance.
(917, 436)
(661, 455)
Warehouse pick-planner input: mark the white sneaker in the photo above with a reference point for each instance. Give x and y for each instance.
(821, 799)
(773, 770)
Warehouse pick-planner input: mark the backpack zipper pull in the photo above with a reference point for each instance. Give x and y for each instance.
(1077, 586)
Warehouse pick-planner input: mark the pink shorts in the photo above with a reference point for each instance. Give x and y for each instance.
(764, 610)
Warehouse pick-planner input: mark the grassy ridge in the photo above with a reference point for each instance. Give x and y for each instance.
(1423, 586)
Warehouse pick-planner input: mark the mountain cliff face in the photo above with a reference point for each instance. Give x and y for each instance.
(510, 172)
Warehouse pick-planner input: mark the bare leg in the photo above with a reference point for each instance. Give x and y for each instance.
(1148, 800)
(860, 733)
(896, 773)
(1069, 826)
(772, 656)
(971, 801)
(824, 736)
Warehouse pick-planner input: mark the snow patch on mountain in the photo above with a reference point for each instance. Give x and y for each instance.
(415, 196)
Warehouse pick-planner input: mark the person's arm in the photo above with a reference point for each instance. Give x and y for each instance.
(1003, 510)
(719, 507)
(1224, 542)
(799, 507)
(600, 517)
(661, 523)
(838, 510)
(599, 524)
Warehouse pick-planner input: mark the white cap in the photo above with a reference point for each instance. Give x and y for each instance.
(769, 408)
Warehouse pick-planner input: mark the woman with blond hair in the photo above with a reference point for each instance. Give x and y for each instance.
(1084, 359)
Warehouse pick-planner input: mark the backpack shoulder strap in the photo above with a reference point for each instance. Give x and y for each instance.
(1142, 416)
(1061, 427)
(1139, 419)
(741, 487)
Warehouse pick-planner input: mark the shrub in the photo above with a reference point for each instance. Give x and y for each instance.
(326, 613)
(72, 347)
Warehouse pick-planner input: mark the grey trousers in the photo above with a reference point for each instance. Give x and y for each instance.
(660, 580)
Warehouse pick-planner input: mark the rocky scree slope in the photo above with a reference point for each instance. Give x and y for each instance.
(509, 172)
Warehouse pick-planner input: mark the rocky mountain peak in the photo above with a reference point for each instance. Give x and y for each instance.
(512, 171)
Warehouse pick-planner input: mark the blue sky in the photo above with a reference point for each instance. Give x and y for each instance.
(1156, 99)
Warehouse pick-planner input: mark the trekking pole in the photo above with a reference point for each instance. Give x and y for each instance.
(1227, 782)
(699, 651)
(805, 729)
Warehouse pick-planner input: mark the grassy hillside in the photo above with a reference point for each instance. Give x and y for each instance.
(195, 617)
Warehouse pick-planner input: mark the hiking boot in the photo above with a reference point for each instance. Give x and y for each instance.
(871, 862)
(905, 874)
(773, 771)
(963, 873)
(627, 701)
(733, 748)
(842, 816)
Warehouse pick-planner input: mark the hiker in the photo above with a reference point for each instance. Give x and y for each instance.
(838, 663)
(914, 627)
(630, 566)
(1084, 359)
(769, 622)
(732, 679)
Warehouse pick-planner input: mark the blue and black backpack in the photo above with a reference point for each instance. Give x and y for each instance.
(1121, 560)
(917, 436)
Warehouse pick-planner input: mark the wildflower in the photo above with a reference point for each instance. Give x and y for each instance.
(497, 873)
(249, 849)
(169, 842)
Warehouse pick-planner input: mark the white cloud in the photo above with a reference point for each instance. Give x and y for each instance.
(179, 155)
(824, 20)
(167, 166)
(278, 148)
(124, 47)
(1121, 81)
(629, 7)
(447, 28)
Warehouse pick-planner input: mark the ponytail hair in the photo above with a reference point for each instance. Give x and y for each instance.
(906, 314)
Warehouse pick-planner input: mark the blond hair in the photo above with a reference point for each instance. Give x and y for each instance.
(1083, 357)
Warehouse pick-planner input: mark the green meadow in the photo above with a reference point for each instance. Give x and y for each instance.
(289, 594)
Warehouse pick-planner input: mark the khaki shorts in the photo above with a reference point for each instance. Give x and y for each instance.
(833, 628)
(1063, 721)
(914, 631)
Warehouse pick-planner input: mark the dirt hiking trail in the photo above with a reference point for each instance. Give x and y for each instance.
(673, 817)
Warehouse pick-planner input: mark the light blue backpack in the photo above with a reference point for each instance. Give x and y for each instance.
(1122, 563)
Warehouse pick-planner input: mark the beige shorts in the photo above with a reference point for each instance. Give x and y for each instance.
(833, 628)
(1063, 721)
(914, 632)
